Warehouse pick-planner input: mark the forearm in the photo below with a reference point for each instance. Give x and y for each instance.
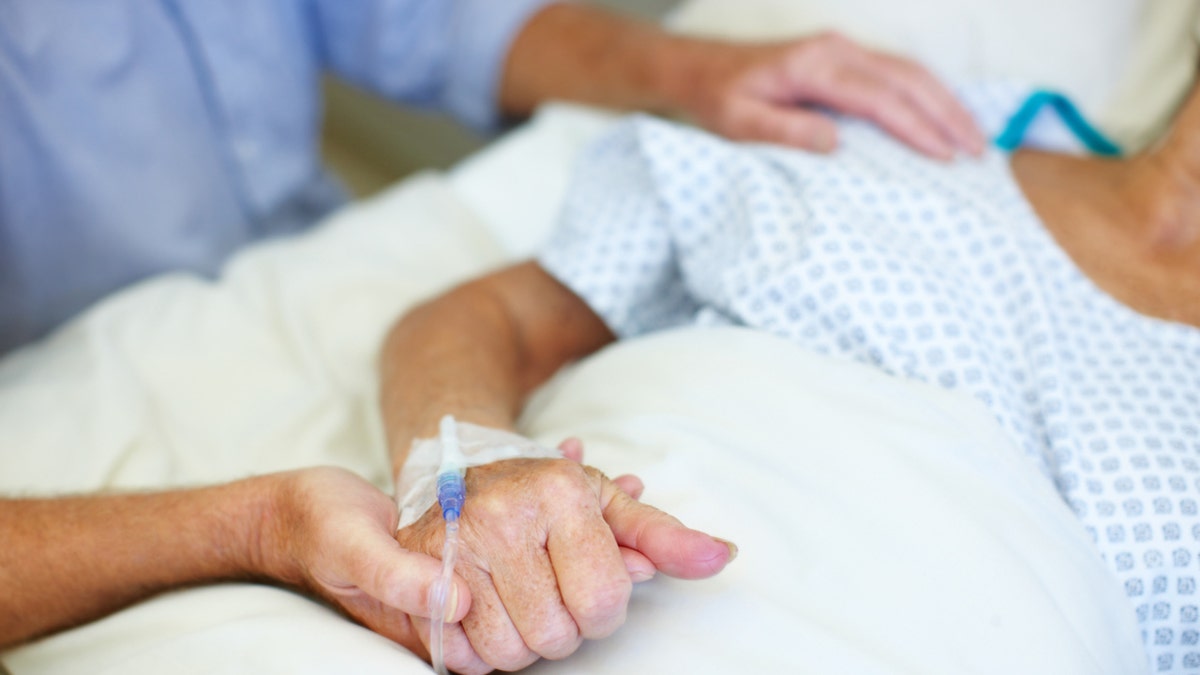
(590, 55)
(67, 561)
(479, 350)
(456, 354)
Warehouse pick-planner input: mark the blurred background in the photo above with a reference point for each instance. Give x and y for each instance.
(370, 143)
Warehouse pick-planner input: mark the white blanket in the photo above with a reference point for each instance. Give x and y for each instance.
(885, 527)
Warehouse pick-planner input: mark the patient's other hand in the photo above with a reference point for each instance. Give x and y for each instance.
(768, 92)
(550, 550)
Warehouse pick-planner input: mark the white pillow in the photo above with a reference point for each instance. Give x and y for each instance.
(1126, 63)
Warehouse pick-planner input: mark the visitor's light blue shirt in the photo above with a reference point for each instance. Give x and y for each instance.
(139, 136)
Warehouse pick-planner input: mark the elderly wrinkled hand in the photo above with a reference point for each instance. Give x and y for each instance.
(549, 553)
(769, 92)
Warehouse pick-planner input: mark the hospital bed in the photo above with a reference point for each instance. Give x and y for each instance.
(884, 526)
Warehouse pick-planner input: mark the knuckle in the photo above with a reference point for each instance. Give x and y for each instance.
(488, 507)
(594, 473)
(728, 118)
(906, 80)
(833, 40)
(557, 640)
(876, 107)
(603, 610)
(461, 658)
(562, 479)
(510, 654)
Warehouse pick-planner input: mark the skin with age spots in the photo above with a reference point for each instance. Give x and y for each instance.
(570, 534)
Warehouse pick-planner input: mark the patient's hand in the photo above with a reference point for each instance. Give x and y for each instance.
(767, 93)
(550, 550)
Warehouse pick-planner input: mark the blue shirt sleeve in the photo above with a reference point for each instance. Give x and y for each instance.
(446, 54)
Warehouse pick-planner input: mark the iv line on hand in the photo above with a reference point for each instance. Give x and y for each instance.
(451, 493)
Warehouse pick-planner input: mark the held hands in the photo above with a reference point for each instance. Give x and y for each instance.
(768, 92)
(549, 552)
(331, 533)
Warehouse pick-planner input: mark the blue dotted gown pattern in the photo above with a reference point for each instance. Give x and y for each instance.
(936, 272)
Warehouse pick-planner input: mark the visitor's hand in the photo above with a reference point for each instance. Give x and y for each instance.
(333, 534)
(549, 550)
(773, 93)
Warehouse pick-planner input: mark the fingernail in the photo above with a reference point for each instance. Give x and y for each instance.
(733, 549)
(452, 603)
(638, 576)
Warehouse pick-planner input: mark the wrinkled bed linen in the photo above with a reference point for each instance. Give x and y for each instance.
(946, 554)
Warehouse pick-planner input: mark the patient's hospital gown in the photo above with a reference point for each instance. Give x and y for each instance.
(937, 272)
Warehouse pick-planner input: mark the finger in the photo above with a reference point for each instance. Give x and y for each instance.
(572, 449)
(592, 576)
(674, 549)
(457, 652)
(750, 119)
(908, 83)
(529, 589)
(630, 485)
(490, 629)
(934, 99)
(394, 625)
(637, 565)
(862, 93)
(398, 577)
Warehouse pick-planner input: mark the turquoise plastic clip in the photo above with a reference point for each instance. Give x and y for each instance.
(1091, 137)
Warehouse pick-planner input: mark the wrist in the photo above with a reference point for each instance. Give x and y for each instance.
(696, 76)
(678, 67)
(416, 482)
(269, 505)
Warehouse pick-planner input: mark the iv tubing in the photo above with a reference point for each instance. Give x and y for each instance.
(451, 492)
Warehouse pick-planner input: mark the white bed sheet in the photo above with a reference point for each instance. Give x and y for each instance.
(885, 527)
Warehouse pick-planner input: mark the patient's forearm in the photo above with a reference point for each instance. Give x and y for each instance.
(67, 561)
(479, 350)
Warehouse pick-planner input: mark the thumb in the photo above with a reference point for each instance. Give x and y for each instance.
(373, 562)
(768, 122)
(675, 550)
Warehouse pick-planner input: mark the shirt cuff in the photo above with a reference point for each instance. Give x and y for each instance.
(484, 31)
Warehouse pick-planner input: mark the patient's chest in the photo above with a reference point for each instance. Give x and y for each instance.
(936, 273)
(959, 284)
(944, 274)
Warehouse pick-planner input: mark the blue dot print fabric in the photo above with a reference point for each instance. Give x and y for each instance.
(931, 271)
